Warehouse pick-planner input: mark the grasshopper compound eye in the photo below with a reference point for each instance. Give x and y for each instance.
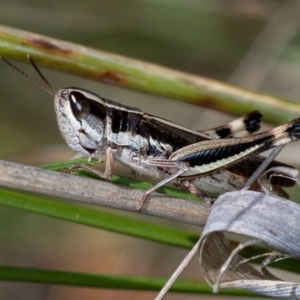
(79, 104)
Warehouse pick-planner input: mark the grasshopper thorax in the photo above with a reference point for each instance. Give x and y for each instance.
(81, 120)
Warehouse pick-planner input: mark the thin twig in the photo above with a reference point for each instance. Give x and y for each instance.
(100, 193)
(266, 50)
(178, 271)
(262, 167)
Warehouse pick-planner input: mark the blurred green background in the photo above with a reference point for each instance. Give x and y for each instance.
(253, 44)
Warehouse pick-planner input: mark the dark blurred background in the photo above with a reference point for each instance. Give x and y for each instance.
(253, 44)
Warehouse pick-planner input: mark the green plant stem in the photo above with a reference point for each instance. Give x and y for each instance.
(135, 74)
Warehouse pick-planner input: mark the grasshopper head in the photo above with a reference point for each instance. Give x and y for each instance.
(81, 120)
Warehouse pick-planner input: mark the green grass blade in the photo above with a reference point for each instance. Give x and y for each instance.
(94, 218)
(106, 281)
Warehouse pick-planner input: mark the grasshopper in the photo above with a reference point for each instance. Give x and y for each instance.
(94, 126)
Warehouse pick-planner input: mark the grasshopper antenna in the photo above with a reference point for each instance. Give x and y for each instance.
(39, 72)
(51, 92)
